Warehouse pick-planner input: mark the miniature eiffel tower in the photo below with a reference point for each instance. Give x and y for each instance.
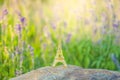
(59, 56)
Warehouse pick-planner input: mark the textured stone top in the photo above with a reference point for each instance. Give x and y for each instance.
(69, 73)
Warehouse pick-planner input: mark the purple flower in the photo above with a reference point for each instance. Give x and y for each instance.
(17, 50)
(31, 50)
(53, 25)
(46, 32)
(115, 25)
(44, 46)
(114, 17)
(18, 13)
(22, 19)
(18, 28)
(109, 5)
(5, 12)
(68, 37)
(104, 17)
(103, 31)
(32, 54)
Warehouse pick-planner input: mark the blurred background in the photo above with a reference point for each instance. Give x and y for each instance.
(30, 31)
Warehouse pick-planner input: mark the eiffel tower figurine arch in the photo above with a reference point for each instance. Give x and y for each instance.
(59, 58)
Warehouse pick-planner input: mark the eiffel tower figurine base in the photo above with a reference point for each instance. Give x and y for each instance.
(59, 60)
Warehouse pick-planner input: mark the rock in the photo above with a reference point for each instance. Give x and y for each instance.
(69, 73)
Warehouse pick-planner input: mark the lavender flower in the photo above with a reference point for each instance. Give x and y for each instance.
(44, 46)
(46, 32)
(104, 29)
(109, 5)
(31, 50)
(104, 17)
(18, 28)
(17, 50)
(114, 17)
(23, 46)
(53, 25)
(23, 21)
(21, 18)
(5, 12)
(21, 60)
(32, 54)
(18, 13)
(68, 37)
(115, 25)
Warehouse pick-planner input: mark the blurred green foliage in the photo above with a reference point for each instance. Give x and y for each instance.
(1, 2)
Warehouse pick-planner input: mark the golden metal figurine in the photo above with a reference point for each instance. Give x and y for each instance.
(59, 56)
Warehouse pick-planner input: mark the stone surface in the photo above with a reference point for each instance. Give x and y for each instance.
(69, 73)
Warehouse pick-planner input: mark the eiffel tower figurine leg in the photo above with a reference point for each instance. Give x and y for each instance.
(65, 65)
(54, 63)
(61, 61)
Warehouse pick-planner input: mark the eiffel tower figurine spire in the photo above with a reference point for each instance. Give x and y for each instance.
(59, 56)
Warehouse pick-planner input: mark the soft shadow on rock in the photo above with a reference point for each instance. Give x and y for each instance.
(69, 73)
